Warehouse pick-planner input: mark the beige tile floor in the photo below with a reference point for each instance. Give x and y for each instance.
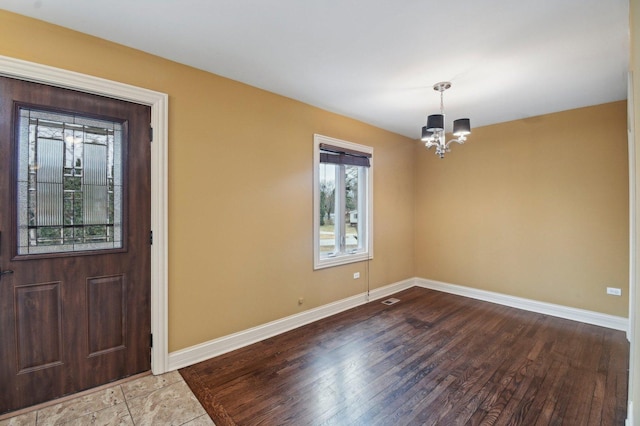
(150, 400)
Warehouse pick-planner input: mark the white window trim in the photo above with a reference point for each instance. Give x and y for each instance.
(159, 103)
(320, 263)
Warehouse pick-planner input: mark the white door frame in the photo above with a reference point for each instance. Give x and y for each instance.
(633, 247)
(159, 103)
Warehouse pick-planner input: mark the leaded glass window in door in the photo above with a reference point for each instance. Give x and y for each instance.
(69, 181)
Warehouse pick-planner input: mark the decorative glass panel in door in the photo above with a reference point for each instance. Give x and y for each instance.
(69, 183)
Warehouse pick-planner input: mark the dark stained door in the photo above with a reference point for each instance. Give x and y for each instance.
(74, 241)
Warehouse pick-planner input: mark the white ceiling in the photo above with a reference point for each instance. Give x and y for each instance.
(377, 60)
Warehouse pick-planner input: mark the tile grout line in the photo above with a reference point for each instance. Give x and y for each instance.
(126, 401)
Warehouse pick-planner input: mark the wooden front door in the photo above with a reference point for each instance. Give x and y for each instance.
(74, 241)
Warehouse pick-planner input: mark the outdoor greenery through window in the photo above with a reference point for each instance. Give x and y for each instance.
(342, 193)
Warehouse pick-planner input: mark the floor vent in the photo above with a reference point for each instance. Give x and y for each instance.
(390, 301)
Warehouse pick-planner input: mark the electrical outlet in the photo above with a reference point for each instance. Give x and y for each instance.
(300, 300)
(614, 291)
(356, 275)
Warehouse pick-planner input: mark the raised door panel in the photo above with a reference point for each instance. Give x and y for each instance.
(106, 314)
(38, 319)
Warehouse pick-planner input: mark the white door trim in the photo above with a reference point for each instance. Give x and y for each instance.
(23, 70)
(633, 247)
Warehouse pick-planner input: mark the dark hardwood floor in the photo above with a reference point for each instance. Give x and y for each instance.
(430, 359)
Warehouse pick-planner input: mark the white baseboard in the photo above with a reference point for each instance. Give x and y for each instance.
(194, 354)
(575, 314)
(629, 421)
(222, 345)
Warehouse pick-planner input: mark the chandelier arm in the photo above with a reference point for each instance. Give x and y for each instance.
(458, 140)
(430, 144)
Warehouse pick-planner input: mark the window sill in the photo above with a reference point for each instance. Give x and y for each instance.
(344, 259)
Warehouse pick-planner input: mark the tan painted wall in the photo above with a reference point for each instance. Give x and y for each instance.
(240, 187)
(535, 208)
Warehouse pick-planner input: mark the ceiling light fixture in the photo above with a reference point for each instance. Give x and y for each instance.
(433, 133)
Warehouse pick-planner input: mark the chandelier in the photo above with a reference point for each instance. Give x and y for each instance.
(433, 133)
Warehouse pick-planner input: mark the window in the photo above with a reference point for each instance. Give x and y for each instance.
(69, 183)
(342, 202)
